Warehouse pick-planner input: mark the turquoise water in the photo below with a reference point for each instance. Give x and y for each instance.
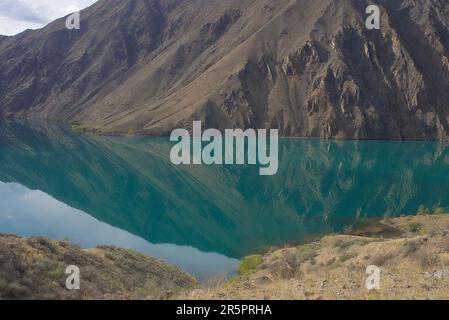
(124, 191)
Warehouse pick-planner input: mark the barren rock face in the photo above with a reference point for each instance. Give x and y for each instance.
(309, 68)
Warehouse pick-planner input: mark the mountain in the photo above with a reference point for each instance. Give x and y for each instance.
(306, 67)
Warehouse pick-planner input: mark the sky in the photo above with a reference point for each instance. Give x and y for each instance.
(33, 213)
(18, 15)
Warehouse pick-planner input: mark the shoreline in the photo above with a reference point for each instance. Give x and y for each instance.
(412, 252)
(84, 129)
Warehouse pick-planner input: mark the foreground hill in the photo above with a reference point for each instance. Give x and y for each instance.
(34, 268)
(411, 252)
(309, 68)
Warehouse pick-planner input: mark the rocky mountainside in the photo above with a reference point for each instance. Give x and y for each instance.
(307, 67)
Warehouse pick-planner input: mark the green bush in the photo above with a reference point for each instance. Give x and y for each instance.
(249, 264)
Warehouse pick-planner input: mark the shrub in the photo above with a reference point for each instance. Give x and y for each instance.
(415, 227)
(426, 259)
(249, 264)
(440, 211)
(341, 244)
(306, 253)
(411, 247)
(423, 211)
(382, 259)
(347, 256)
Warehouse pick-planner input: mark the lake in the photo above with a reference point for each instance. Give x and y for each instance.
(96, 190)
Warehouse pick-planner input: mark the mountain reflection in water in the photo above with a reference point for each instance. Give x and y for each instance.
(130, 184)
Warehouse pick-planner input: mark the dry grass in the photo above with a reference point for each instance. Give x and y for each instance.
(414, 265)
(35, 269)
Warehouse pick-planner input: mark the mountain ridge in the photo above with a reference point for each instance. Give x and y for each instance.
(308, 68)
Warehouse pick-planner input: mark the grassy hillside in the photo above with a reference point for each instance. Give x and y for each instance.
(34, 268)
(412, 253)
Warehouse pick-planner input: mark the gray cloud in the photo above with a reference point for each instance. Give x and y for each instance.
(18, 10)
(18, 15)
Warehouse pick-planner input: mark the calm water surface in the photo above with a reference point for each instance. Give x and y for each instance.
(125, 192)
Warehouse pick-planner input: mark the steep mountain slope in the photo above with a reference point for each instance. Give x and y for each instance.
(309, 68)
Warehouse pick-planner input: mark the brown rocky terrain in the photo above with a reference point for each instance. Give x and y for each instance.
(307, 67)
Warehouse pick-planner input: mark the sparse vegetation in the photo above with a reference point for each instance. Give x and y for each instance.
(306, 253)
(249, 264)
(382, 258)
(423, 211)
(347, 256)
(332, 268)
(342, 244)
(415, 227)
(440, 211)
(34, 268)
(335, 267)
(410, 247)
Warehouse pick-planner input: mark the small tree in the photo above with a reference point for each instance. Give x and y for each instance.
(440, 211)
